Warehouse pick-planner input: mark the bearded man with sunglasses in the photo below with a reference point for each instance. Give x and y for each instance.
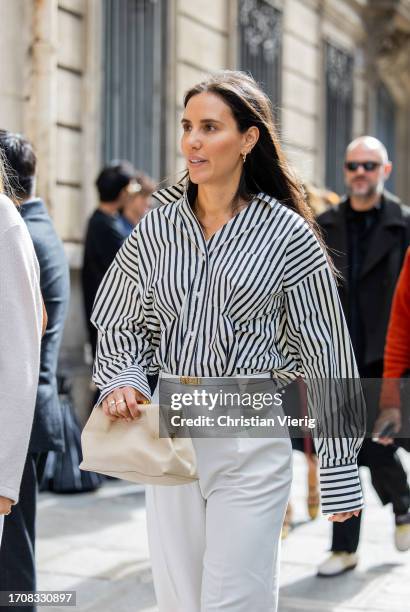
(368, 234)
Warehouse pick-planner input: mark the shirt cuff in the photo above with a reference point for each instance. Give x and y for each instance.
(134, 376)
(9, 493)
(340, 489)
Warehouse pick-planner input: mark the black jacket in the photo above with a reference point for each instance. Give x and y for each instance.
(47, 433)
(103, 240)
(382, 263)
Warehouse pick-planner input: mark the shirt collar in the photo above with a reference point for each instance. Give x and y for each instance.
(182, 216)
(32, 207)
(169, 194)
(177, 192)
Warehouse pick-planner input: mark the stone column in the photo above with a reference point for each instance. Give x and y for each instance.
(41, 109)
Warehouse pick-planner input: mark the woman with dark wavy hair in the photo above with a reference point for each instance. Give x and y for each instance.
(228, 278)
(21, 318)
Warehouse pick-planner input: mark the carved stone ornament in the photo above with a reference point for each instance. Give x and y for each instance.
(261, 27)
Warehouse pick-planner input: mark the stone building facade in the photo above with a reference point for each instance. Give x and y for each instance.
(92, 80)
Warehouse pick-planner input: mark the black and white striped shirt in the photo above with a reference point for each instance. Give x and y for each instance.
(257, 296)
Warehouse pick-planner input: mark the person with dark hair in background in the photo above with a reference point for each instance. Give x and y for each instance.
(368, 234)
(138, 202)
(105, 233)
(17, 554)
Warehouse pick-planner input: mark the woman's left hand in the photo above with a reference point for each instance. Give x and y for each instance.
(341, 517)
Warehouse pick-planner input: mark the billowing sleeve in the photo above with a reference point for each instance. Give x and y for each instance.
(319, 341)
(124, 343)
(21, 314)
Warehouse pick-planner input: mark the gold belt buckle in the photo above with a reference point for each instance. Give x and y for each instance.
(189, 380)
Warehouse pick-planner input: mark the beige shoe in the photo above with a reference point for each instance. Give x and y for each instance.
(402, 532)
(338, 563)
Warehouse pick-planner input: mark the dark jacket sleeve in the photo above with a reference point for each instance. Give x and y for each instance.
(47, 433)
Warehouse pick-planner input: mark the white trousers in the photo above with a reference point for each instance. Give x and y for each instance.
(215, 543)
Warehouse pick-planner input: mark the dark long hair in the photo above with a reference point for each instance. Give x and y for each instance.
(2, 173)
(5, 186)
(266, 168)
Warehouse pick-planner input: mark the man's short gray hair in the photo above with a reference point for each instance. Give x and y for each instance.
(371, 143)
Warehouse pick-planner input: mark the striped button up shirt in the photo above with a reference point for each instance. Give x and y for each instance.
(257, 296)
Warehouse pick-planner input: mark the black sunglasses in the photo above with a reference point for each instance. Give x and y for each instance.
(369, 166)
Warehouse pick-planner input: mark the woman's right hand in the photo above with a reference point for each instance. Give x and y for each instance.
(5, 505)
(122, 403)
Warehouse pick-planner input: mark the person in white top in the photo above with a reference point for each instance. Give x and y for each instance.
(22, 319)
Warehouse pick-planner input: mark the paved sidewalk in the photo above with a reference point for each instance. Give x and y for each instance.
(96, 544)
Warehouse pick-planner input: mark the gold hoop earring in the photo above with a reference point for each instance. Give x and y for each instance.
(244, 157)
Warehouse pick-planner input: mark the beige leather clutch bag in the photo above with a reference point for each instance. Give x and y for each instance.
(134, 451)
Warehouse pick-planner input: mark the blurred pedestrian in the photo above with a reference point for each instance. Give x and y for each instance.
(138, 203)
(320, 200)
(208, 285)
(17, 555)
(396, 355)
(21, 322)
(368, 234)
(394, 401)
(105, 233)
